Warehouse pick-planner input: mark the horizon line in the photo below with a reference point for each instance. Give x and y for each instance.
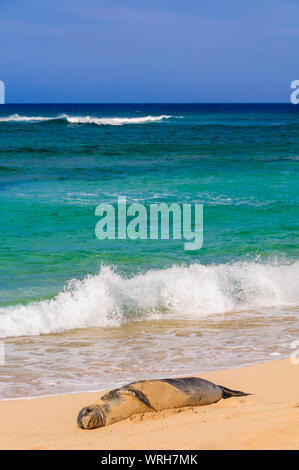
(149, 102)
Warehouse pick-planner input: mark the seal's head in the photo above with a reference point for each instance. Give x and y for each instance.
(91, 417)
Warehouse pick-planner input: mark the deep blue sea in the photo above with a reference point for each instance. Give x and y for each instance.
(79, 313)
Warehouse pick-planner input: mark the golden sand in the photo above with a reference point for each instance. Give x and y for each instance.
(268, 419)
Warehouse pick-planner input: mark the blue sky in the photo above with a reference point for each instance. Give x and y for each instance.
(149, 51)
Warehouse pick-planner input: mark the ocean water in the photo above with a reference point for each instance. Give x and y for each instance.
(77, 313)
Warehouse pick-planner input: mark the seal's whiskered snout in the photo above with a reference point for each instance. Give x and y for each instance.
(90, 417)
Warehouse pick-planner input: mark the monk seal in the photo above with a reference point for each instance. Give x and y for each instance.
(152, 395)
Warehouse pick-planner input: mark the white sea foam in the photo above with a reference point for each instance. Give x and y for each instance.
(18, 118)
(109, 299)
(113, 121)
(100, 121)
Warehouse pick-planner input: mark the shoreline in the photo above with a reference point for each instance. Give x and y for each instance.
(102, 390)
(268, 419)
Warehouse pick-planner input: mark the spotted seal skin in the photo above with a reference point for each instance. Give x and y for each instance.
(152, 395)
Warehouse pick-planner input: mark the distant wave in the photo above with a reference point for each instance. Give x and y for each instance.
(18, 118)
(110, 299)
(112, 121)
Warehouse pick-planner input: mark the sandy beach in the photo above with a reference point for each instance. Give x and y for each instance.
(268, 419)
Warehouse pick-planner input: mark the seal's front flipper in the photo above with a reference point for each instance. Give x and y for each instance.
(227, 392)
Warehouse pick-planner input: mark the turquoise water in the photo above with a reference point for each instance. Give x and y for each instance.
(58, 162)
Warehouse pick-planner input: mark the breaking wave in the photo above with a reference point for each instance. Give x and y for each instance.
(100, 121)
(110, 299)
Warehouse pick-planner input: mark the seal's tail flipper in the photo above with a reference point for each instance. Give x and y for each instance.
(227, 393)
